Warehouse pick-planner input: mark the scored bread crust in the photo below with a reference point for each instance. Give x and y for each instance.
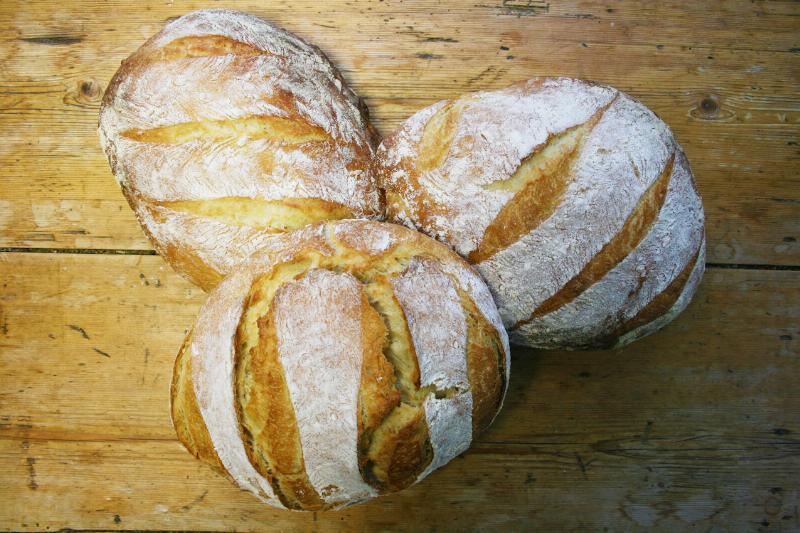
(223, 129)
(387, 345)
(573, 200)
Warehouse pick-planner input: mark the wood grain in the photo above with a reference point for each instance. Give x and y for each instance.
(724, 75)
(684, 427)
(693, 428)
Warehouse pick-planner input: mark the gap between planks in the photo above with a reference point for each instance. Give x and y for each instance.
(117, 251)
(81, 530)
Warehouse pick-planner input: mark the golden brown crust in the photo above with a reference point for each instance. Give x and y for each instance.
(378, 394)
(397, 448)
(540, 182)
(658, 306)
(272, 119)
(485, 365)
(271, 436)
(636, 227)
(182, 259)
(393, 440)
(275, 216)
(399, 194)
(191, 266)
(196, 46)
(400, 450)
(185, 414)
(281, 130)
(551, 187)
(438, 135)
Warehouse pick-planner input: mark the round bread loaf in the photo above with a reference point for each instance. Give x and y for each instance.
(345, 360)
(573, 200)
(224, 130)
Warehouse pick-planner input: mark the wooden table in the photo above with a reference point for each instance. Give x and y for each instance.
(696, 428)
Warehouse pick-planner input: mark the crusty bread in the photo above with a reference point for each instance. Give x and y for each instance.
(572, 199)
(344, 360)
(224, 130)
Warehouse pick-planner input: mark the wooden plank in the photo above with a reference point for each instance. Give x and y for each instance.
(694, 426)
(116, 322)
(157, 485)
(724, 75)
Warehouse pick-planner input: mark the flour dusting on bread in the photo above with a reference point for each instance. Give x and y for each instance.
(221, 104)
(553, 188)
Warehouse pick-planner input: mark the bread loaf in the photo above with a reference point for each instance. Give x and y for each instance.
(573, 200)
(224, 130)
(345, 360)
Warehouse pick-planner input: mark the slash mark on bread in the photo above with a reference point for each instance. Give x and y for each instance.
(634, 230)
(273, 438)
(272, 215)
(438, 134)
(538, 184)
(186, 417)
(393, 440)
(200, 46)
(661, 303)
(395, 449)
(393, 444)
(266, 416)
(289, 130)
(484, 351)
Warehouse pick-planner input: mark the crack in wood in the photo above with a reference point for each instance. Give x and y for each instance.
(53, 40)
(79, 329)
(101, 352)
(32, 484)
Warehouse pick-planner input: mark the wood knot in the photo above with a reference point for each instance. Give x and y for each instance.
(85, 93)
(709, 107)
(90, 88)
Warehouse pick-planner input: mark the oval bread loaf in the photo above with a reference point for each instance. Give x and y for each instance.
(573, 200)
(224, 130)
(344, 360)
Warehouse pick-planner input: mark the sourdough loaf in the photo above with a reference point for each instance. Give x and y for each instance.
(342, 361)
(224, 130)
(573, 200)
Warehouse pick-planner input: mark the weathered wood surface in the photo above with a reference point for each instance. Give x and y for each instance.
(695, 428)
(724, 75)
